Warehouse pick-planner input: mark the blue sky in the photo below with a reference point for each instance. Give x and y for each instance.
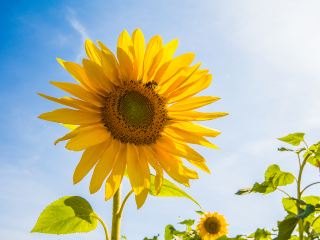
(264, 56)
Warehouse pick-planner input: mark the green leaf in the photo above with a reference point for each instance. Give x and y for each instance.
(200, 212)
(286, 227)
(261, 234)
(313, 155)
(274, 177)
(294, 138)
(309, 210)
(69, 214)
(283, 149)
(169, 189)
(187, 222)
(168, 232)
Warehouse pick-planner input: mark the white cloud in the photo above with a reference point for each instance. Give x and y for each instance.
(79, 28)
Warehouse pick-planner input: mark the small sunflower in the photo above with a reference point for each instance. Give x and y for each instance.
(134, 111)
(212, 226)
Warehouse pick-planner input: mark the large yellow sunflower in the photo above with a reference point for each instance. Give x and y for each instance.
(212, 226)
(134, 111)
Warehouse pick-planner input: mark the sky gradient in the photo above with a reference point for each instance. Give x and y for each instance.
(265, 59)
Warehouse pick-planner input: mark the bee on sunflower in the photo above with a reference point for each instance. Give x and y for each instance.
(212, 226)
(134, 111)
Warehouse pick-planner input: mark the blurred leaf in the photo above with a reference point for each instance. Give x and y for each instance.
(169, 189)
(69, 214)
(305, 213)
(313, 155)
(200, 212)
(286, 227)
(261, 234)
(294, 138)
(153, 238)
(168, 232)
(187, 222)
(283, 149)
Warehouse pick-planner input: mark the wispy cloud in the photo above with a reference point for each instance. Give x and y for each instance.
(79, 28)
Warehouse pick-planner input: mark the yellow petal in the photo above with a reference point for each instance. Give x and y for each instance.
(71, 102)
(175, 82)
(136, 171)
(190, 89)
(70, 116)
(69, 135)
(126, 65)
(175, 66)
(153, 47)
(115, 178)
(152, 159)
(93, 52)
(104, 166)
(172, 165)
(139, 49)
(76, 71)
(89, 158)
(185, 136)
(125, 43)
(195, 128)
(110, 66)
(96, 74)
(195, 116)
(179, 149)
(192, 103)
(88, 136)
(141, 198)
(79, 92)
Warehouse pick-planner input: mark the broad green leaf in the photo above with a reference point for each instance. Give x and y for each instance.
(308, 210)
(278, 177)
(274, 177)
(290, 204)
(286, 227)
(294, 138)
(69, 214)
(313, 155)
(187, 222)
(261, 234)
(169, 189)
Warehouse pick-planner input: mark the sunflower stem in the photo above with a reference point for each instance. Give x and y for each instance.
(116, 217)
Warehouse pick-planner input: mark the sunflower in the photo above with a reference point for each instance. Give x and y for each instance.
(212, 226)
(133, 112)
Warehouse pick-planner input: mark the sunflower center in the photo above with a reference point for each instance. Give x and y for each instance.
(134, 113)
(212, 225)
(136, 109)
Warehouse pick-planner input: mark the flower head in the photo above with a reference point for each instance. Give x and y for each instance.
(212, 226)
(133, 112)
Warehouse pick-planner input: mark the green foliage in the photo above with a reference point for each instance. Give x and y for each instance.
(286, 227)
(274, 177)
(294, 138)
(70, 214)
(169, 189)
(303, 211)
(313, 155)
(261, 234)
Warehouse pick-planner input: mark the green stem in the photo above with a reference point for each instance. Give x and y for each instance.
(124, 203)
(299, 195)
(105, 229)
(309, 186)
(284, 192)
(116, 218)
